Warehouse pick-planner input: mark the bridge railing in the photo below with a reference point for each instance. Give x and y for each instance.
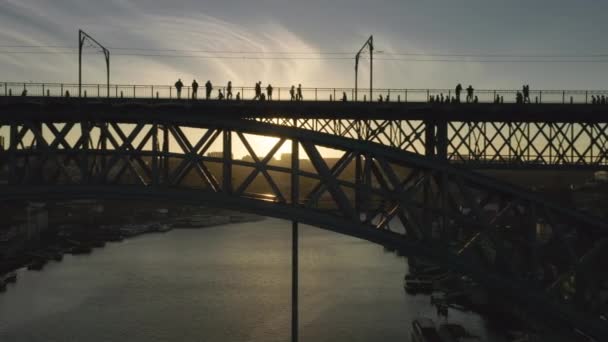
(283, 93)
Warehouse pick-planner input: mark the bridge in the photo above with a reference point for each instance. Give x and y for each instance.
(396, 179)
(480, 136)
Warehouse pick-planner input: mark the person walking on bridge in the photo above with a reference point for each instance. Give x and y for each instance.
(292, 92)
(526, 93)
(344, 99)
(229, 91)
(208, 89)
(178, 86)
(299, 96)
(458, 91)
(269, 92)
(194, 89)
(258, 90)
(470, 91)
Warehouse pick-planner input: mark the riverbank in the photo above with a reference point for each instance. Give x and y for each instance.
(78, 239)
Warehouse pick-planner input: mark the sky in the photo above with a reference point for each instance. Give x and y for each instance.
(472, 27)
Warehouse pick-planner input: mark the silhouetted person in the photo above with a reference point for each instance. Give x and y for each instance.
(208, 89)
(299, 96)
(458, 91)
(194, 89)
(229, 91)
(220, 95)
(526, 94)
(470, 91)
(262, 97)
(388, 98)
(497, 99)
(476, 100)
(238, 96)
(24, 92)
(441, 98)
(344, 99)
(432, 99)
(292, 92)
(593, 100)
(380, 98)
(603, 99)
(269, 92)
(179, 85)
(67, 93)
(519, 98)
(258, 90)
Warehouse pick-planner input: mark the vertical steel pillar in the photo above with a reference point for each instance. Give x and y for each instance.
(371, 68)
(294, 281)
(12, 165)
(166, 154)
(80, 44)
(107, 55)
(429, 138)
(85, 131)
(227, 164)
(155, 177)
(441, 140)
(295, 200)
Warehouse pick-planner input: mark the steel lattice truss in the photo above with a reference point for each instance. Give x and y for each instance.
(546, 257)
(479, 144)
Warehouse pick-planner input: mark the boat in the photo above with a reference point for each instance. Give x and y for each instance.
(424, 330)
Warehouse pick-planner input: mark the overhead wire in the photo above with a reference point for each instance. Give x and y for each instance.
(327, 55)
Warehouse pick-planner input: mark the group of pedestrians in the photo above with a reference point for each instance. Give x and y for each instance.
(208, 89)
(599, 99)
(470, 98)
(295, 93)
(523, 96)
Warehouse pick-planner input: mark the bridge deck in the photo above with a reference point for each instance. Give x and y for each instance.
(482, 112)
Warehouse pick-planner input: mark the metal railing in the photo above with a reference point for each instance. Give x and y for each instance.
(283, 93)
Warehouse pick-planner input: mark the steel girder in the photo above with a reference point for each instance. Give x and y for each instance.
(479, 144)
(547, 258)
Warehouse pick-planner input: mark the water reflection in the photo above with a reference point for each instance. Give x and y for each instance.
(229, 283)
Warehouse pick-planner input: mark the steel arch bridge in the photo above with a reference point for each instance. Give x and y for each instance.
(479, 136)
(544, 257)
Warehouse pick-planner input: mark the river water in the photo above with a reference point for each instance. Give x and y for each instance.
(227, 283)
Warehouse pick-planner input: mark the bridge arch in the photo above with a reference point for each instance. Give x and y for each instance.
(460, 219)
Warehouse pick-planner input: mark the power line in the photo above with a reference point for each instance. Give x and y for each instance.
(505, 61)
(279, 58)
(413, 54)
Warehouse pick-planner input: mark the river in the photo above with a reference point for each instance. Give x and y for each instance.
(225, 283)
